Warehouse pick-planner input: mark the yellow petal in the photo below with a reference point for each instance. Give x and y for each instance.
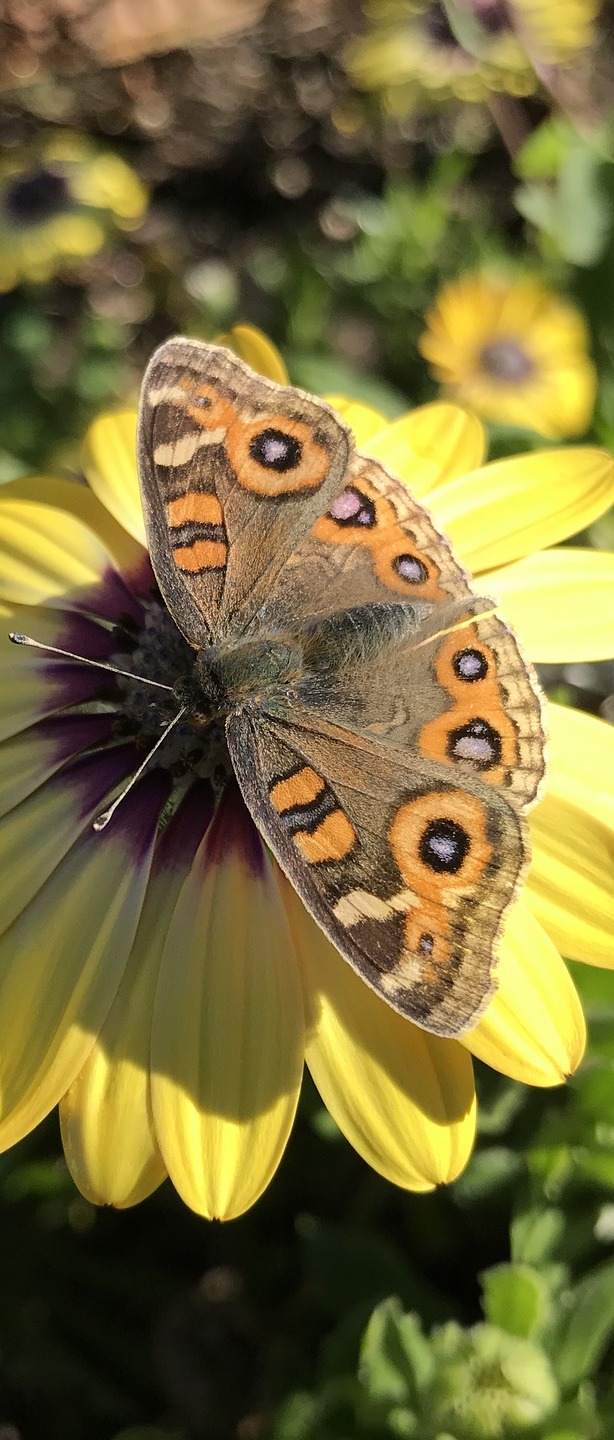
(41, 830)
(62, 961)
(29, 759)
(79, 500)
(363, 420)
(404, 1099)
(107, 1125)
(514, 506)
(109, 464)
(560, 603)
(33, 685)
(571, 881)
(431, 446)
(582, 760)
(227, 1046)
(256, 350)
(47, 557)
(533, 1029)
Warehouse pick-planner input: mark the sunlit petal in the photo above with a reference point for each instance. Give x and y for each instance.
(80, 501)
(109, 464)
(227, 1047)
(571, 881)
(76, 934)
(582, 760)
(560, 602)
(514, 506)
(533, 1029)
(256, 350)
(48, 557)
(404, 1099)
(107, 1126)
(431, 446)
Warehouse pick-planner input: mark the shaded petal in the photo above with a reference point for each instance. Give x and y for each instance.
(33, 684)
(514, 506)
(48, 557)
(561, 602)
(582, 760)
(571, 881)
(256, 350)
(62, 960)
(29, 759)
(107, 1125)
(533, 1029)
(108, 457)
(227, 1045)
(431, 446)
(79, 500)
(36, 835)
(404, 1099)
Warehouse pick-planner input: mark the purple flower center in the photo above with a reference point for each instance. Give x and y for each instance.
(35, 197)
(506, 360)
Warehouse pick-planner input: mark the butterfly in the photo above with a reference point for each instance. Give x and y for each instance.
(385, 731)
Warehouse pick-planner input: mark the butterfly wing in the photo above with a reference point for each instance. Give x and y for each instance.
(405, 867)
(234, 471)
(376, 545)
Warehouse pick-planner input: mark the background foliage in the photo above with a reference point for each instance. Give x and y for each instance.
(286, 191)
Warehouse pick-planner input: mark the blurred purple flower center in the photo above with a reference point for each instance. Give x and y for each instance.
(506, 360)
(30, 199)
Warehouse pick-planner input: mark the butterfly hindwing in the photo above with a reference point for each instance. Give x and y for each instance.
(407, 869)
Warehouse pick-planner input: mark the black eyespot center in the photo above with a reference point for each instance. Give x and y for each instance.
(478, 742)
(470, 665)
(411, 568)
(276, 450)
(444, 846)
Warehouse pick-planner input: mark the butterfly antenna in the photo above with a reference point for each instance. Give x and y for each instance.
(19, 639)
(103, 819)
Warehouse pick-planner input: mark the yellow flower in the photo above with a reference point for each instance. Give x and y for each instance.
(419, 49)
(514, 352)
(161, 980)
(59, 200)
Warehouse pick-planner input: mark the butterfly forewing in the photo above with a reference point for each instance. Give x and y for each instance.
(234, 471)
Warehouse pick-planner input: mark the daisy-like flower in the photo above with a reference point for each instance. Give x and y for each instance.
(465, 49)
(514, 352)
(60, 198)
(160, 979)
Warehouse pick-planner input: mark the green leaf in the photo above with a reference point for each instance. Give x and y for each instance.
(325, 375)
(536, 1234)
(588, 1328)
(395, 1358)
(516, 1299)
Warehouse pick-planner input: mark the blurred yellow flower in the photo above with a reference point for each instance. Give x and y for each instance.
(414, 50)
(60, 199)
(514, 352)
(161, 980)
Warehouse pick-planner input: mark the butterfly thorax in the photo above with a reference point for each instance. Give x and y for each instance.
(237, 672)
(256, 669)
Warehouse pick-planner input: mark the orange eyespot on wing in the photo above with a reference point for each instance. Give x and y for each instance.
(493, 722)
(276, 455)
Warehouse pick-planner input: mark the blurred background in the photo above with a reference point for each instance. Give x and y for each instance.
(374, 186)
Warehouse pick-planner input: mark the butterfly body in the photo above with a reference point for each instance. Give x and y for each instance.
(383, 727)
